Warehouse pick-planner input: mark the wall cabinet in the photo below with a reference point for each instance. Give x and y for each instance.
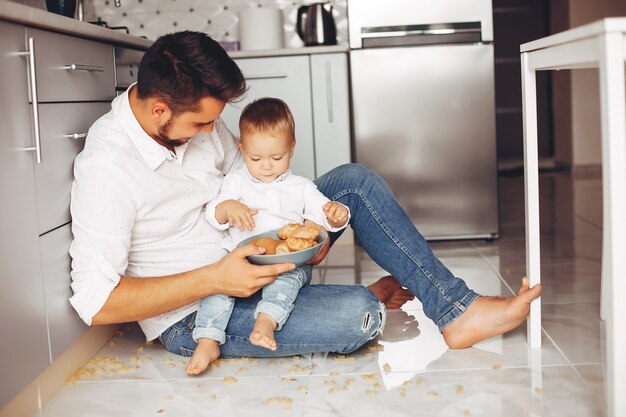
(54, 87)
(316, 89)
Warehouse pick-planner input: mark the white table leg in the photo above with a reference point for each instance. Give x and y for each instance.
(531, 188)
(613, 109)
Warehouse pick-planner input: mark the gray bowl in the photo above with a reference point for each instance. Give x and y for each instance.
(299, 258)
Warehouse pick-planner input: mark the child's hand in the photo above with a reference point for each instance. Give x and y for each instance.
(236, 213)
(336, 213)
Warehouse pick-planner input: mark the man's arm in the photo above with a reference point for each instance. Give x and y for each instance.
(140, 298)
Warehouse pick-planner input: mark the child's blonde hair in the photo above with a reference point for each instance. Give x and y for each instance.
(268, 115)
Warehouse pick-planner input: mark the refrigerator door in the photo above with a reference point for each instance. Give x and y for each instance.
(424, 119)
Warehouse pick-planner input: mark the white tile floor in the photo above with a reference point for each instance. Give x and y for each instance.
(408, 371)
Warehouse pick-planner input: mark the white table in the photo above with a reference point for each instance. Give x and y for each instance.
(599, 45)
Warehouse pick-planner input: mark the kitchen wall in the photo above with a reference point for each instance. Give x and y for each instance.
(218, 18)
(576, 99)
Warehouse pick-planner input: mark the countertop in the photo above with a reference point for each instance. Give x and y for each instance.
(305, 50)
(30, 16)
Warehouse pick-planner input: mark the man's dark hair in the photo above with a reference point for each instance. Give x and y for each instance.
(184, 67)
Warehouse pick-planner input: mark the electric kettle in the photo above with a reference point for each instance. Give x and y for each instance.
(315, 24)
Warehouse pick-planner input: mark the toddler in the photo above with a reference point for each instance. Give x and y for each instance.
(261, 196)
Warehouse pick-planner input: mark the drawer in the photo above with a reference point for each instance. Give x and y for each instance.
(126, 67)
(54, 176)
(92, 78)
(64, 325)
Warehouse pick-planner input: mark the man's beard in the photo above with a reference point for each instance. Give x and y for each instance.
(164, 132)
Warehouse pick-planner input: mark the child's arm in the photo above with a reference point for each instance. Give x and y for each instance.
(236, 214)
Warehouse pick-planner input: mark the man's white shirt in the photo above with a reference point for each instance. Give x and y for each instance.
(138, 209)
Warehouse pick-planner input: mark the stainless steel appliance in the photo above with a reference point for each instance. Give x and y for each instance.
(422, 78)
(315, 24)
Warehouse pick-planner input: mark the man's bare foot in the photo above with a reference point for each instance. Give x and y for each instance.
(490, 316)
(390, 292)
(206, 352)
(263, 332)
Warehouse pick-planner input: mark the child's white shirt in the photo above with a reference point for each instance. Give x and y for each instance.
(288, 199)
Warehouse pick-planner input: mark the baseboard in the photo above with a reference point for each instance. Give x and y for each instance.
(50, 381)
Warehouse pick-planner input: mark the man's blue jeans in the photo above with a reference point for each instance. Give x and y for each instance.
(341, 318)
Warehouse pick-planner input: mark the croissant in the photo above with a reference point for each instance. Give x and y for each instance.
(282, 248)
(306, 232)
(286, 231)
(299, 243)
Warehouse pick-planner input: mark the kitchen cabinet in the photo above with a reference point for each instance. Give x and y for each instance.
(126, 67)
(64, 128)
(287, 78)
(24, 353)
(72, 69)
(331, 111)
(55, 86)
(64, 325)
(316, 89)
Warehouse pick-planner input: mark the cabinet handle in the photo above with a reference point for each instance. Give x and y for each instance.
(329, 92)
(80, 67)
(76, 136)
(265, 76)
(32, 75)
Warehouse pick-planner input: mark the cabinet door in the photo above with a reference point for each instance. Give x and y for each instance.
(24, 351)
(64, 127)
(287, 78)
(64, 325)
(126, 67)
(331, 111)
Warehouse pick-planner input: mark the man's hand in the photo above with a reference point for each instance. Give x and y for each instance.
(235, 276)
(336, 213)
(236, 214)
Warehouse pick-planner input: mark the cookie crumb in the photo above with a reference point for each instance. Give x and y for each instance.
(344, 358)
(230, 380)
(458, 389)
(370, 377)
(338, 389)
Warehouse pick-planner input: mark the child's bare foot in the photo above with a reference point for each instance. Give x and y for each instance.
(490, 316)
(206, 352)
(390, 292)
(263, 332)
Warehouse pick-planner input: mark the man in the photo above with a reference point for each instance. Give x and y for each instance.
(142, 250)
